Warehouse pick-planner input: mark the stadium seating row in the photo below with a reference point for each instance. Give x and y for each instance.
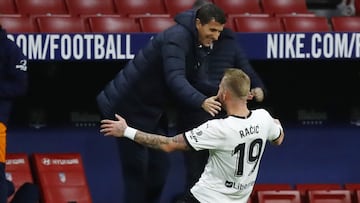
(169, 7)
(60, 176)
(306, 193)
(155, 23)
(243, 15)
(126, 7)
(294, 23)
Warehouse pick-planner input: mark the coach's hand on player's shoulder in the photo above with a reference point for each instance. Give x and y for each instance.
(211, 105)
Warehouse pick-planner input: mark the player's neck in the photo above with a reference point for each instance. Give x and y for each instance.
(240, 113)
(237, 109)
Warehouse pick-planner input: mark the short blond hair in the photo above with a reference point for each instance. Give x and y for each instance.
(237, 81)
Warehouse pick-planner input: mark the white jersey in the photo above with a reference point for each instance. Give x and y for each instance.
(235, 146)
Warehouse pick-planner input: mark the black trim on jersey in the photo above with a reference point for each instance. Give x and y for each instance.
(243, 117)
(277, 137)
(188, 143)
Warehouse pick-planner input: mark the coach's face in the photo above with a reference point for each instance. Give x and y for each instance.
(208, 33)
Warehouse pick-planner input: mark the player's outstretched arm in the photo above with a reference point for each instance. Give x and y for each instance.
(167, 144)
(119, 128)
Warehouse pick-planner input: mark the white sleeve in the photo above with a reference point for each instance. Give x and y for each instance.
(274, 129)
(206, 136)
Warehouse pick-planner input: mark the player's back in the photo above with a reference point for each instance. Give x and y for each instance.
(236, 145)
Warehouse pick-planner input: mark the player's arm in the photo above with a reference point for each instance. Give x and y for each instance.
(280, 139)
(119, 128)
(167, 144)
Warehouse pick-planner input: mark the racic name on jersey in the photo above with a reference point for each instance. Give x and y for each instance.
(253, 129)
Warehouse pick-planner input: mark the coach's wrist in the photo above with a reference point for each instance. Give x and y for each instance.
(130, 132)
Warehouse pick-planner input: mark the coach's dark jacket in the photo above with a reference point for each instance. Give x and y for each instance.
(13, 75)
(226, 53)
(141, 90)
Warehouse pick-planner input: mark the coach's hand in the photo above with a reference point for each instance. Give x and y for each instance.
(211, 105)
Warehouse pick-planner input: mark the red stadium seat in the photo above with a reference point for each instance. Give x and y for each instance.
(345, 23)
(272, 186)
(61, 178)
(306, 24)
(268, 187)
(61, 24)
(357, 7)
(155, 24)
(356, 196)
(329, 196)
(354, 189)
(81, 7)
(105, 24)
(85, 18)
(18, 169)
(33, 7)
(305, 187)
(239, 6)
(352, 186)
(148, 15)
(283, 196)
(175, 7)
(230, 18)
(18, 24)
(280, 15)
(126, 7)
(284, 6)
(7, 7)
(258, 24)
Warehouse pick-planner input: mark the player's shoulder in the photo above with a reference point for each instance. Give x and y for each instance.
(216, 124)
(260, 111)
(217, 121)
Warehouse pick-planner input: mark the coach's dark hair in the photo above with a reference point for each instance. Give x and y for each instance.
(208, 12)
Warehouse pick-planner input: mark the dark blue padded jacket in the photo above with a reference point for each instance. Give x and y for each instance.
(13, 75)
(141, 90)
(225, 53)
